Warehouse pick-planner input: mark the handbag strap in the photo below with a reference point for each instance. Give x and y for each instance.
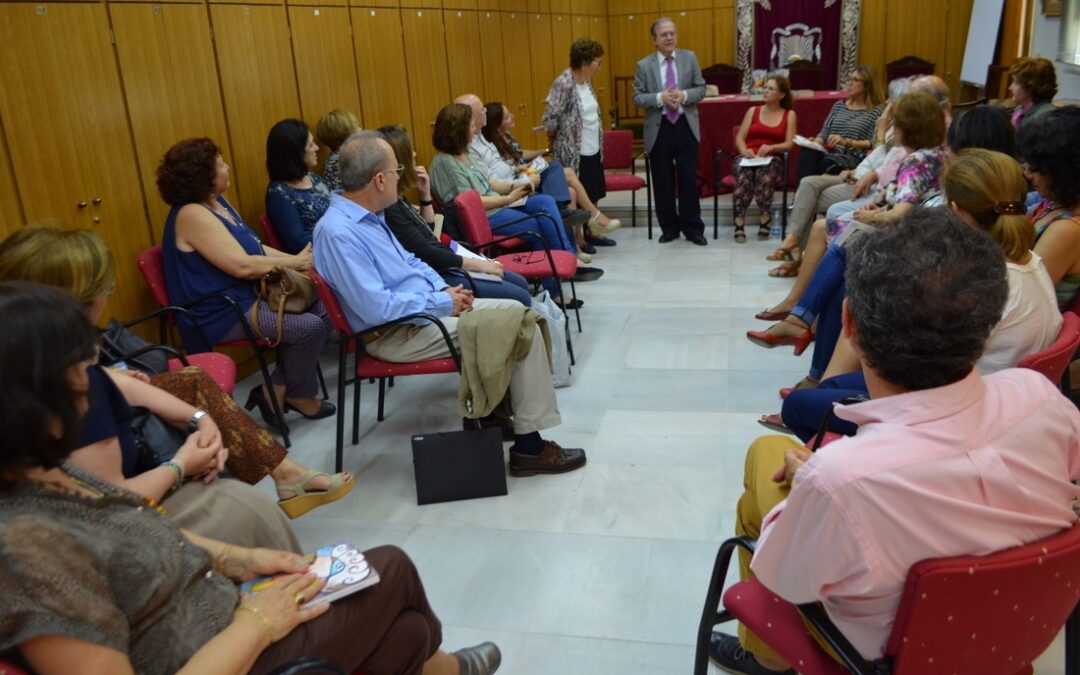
(263, 293)
(820, 435)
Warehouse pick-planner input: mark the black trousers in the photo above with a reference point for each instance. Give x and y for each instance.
(676, 152)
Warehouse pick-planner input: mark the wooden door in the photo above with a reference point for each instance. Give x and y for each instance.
(259, 83)
(380, 65)
(601, 81)
(325, 68)
(67, 132)
(429, 87)
(493, 56)
(519, 90)
(464, 61)
(171, 85)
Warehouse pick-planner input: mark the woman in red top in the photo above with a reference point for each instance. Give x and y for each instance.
(766, 130)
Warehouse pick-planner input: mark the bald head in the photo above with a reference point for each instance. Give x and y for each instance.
(936, 87)
(478, 112)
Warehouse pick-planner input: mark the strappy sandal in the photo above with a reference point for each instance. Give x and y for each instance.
(764, 229)
(782, 255)
(740, 234)
(785, 270)
(303, 500)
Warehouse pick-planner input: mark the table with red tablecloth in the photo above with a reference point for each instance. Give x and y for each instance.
(720, 115)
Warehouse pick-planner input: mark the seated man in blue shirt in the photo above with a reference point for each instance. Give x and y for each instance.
(377, 281)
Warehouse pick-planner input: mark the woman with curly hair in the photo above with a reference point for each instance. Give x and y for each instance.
(1033, 87)
(210, 251)
(1048, 147)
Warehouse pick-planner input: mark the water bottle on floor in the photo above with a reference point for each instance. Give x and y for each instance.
(775, 231)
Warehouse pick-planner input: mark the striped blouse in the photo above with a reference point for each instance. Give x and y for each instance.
(858, 125)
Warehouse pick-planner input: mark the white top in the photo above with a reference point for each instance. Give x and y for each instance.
(590, 121)
(1030, 322)
(487, 155)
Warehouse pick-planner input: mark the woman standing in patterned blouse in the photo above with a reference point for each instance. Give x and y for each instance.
(296, 197)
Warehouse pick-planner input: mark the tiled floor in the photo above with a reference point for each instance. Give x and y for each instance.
(600, 571)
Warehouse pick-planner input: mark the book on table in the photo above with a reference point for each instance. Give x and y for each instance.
(342, 566)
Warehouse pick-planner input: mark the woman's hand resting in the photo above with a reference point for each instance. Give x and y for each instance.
(283, 604)
(201, 456)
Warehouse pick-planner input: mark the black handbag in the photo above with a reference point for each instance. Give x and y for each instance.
(155, 440)
(455, 465)
(117, 341)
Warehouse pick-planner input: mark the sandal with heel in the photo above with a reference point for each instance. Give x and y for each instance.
(304, 500)
(764, 229)
(740, 234)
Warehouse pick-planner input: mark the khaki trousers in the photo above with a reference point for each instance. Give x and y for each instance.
(760, 495)
(815, 195)
(532, 393)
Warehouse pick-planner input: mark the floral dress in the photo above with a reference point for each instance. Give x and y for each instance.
(917, 180)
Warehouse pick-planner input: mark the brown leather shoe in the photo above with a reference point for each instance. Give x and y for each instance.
(553, 459)
(500, 421)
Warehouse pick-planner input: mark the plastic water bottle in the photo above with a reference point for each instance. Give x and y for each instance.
(775, 231)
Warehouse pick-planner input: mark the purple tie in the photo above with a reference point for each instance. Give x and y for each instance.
(669, 83)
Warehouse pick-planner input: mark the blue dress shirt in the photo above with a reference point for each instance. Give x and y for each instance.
(374, 278)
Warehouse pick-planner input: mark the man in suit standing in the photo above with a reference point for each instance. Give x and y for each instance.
(668, 85)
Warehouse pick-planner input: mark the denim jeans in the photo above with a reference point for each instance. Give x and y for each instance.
(512, 287)
(822, 301)
(804, 409)
(509, 221)
(553, 183)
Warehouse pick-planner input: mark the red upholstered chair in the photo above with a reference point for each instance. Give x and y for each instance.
(367, 366)
(534, 265)
(1053, 362)
(152, 267)
(726, 184)
(619, 156)
(270, 233)
(991, 614)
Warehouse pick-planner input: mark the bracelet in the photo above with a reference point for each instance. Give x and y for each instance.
(222, 558)
(179, 473)
(261, 617)
(196, 417)
(426, 202)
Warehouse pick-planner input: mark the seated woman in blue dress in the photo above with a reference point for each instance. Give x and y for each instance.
(208, 250)
(296, 197)
(413, 228)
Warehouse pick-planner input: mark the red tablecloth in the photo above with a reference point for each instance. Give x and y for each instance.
(719, 115)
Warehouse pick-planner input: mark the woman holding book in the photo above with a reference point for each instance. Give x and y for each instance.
(848, 131)
(95, 580)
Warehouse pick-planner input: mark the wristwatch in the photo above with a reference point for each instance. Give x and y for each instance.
(193, 423)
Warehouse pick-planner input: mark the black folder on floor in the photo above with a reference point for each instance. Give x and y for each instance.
(456, 465)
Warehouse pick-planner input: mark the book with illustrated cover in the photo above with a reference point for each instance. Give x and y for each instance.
(342, 566)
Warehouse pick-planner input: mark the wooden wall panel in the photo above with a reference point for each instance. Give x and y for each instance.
(544, 69)
(956, 26)
(520, 96)
(695, 32)
(171, 84)
(259, 82)
(383, 81)
(493, 55)
(323, 56)
(649, 8)
(429, 82)
(464, 62)
(64, 151)
(562, 36)
(11, 213)
(872, 20)
(908, 32)
(724, 30)
(630, 42)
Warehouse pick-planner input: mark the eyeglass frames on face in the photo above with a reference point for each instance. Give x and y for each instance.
(399, 170)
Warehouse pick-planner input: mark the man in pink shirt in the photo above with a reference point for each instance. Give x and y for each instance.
(945, 462)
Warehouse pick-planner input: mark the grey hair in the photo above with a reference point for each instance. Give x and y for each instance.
(899, 87)
(924, 295)
(360, 158)
(655, 24)
(935, 86)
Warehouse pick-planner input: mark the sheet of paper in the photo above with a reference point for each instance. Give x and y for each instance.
(751, 162)
(807, 143)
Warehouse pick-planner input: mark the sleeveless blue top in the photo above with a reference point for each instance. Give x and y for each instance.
(188, 276)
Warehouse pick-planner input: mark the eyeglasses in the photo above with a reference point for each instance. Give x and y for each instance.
(596, 63)
(109, 291)
(855, 79)
(399, 170)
